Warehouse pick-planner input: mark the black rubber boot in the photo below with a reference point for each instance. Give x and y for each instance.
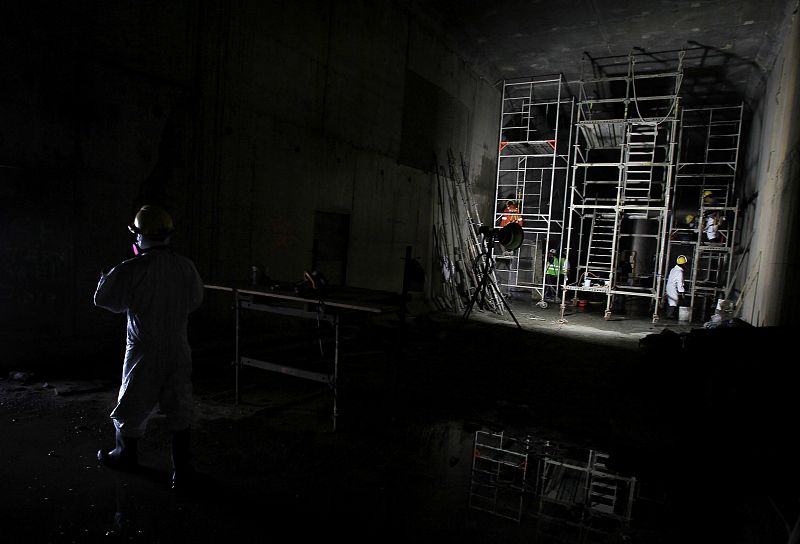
(124, 456)
(182, 469)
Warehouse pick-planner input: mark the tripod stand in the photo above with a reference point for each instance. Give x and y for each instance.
(508, 238)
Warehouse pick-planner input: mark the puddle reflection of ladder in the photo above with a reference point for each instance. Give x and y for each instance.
(602, 488)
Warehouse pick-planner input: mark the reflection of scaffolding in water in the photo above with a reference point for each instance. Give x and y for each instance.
(563, 487)
(499, 474)
(622, 166)
(532, 166)
(707, 160)
(581, 493)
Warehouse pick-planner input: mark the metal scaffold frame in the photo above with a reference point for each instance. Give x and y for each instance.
(516, 477)
(532, 173)
(704, 202)
(622, 171)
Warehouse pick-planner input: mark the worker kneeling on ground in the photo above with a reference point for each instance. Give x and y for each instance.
(157, 289)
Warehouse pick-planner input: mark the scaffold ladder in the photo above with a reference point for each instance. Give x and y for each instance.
(640, 156)
(601, 244)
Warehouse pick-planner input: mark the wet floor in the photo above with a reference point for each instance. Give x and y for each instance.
(399, 466)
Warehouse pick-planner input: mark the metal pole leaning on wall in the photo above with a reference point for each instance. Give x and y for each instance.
(475, 248)
(237, 360)
(459, 245)
(335, 384)
(467, 248)
(440, 233)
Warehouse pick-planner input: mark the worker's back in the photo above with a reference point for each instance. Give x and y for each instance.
(158, 289)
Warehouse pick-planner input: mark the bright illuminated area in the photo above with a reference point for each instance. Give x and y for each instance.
(399, 271)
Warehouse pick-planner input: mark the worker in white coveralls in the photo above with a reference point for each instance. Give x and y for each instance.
(675, 288)
(157, 289)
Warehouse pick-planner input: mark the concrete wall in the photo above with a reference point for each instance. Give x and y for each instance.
(331, 106)
(769, 278)
(243, 118)
(87, 100)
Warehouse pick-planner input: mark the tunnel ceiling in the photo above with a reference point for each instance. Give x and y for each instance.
(729, 44)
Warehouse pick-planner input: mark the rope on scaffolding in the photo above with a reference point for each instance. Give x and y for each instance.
(679, 82)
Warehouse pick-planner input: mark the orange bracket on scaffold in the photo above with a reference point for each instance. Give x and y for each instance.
(503, 143)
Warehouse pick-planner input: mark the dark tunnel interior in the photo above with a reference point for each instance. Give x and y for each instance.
(363, 364)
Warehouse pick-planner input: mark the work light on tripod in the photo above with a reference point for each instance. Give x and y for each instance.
(510, 237)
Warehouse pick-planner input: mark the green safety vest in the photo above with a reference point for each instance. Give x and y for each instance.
(556, 267)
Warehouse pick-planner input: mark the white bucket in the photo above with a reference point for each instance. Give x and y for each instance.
(684, 314)
(587, 282)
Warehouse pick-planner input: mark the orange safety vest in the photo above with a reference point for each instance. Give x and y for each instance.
(510, 215)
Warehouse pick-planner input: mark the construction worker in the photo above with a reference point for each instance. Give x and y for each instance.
(554, 274)
(691, 224)
(711, 232)
(687, 231)
(157, 289)
(510, 214)
(675, 288)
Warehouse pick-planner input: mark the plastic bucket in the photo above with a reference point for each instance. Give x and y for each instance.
(684, 314)
(587, 282)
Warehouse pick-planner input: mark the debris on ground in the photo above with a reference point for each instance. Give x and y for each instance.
(20, 376)
(66, 388)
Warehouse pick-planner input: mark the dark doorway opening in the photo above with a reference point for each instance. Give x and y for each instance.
(331, 243)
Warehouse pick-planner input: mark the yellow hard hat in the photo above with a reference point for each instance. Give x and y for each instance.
(681, 259)
(152, 222)
(707, 193)
(689, 218)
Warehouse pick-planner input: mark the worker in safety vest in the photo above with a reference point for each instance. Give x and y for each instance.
(556, 269)
(510, 214)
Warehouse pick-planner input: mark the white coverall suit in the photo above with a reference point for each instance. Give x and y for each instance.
(674, 285)
(158, 289)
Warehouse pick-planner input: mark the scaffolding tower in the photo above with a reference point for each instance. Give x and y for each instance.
(622, 170)
(532, 175)
(704, 203)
